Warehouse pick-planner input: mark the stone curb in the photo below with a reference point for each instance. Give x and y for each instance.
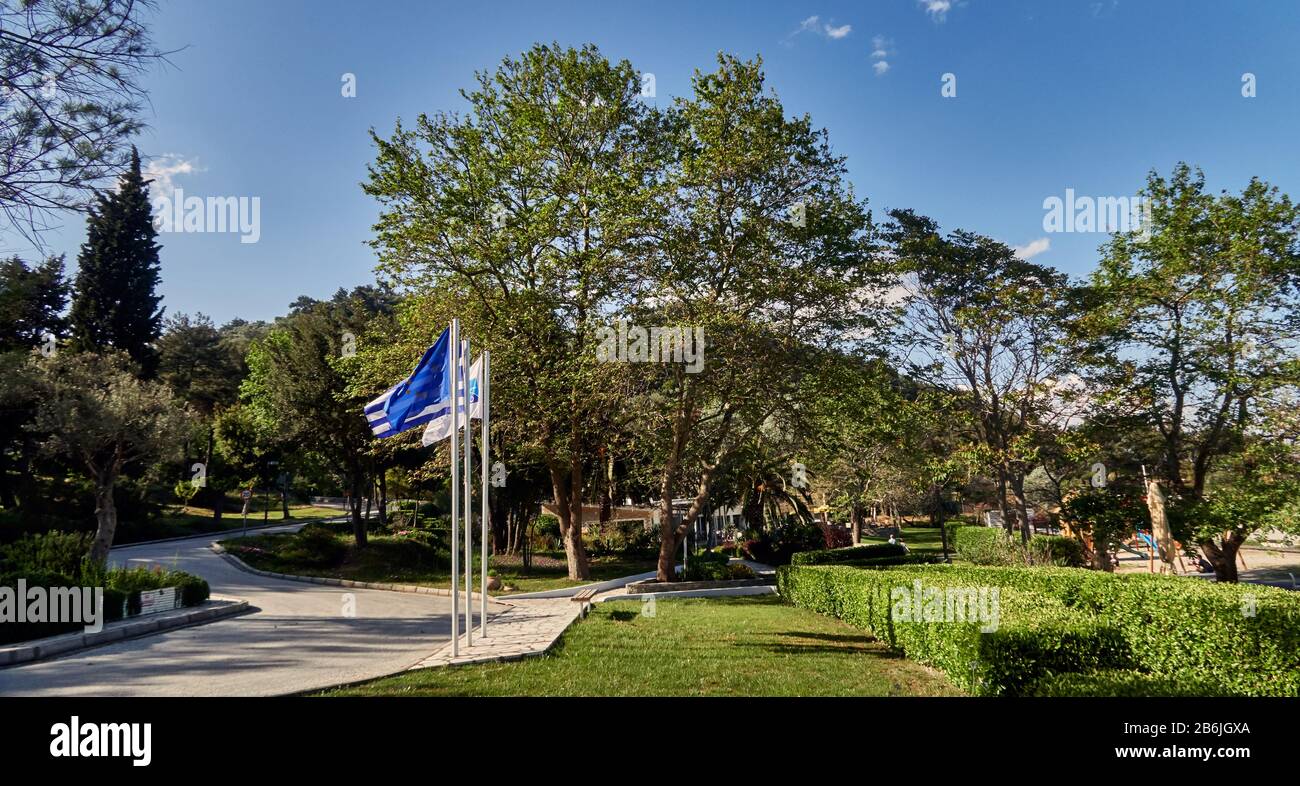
(119, 631)
(244, 566)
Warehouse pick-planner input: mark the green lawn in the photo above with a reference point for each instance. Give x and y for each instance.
(198, 521)
(396, 560)
(918, 539)
(753, 646)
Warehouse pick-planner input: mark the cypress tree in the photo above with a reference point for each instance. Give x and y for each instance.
(115, 304)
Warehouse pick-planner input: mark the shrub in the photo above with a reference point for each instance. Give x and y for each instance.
(986, 546)
(706, 566)
(1240, 639)
(835, 536)
(776, 546)
(1029, 636)
(849, 554)
(1123, 683)
(52, 552)
(1061, 551)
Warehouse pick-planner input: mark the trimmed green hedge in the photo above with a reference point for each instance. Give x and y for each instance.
(991, 546)
(848, 554)
(1123, 683)
(1026, 638)
(122, 588)
(1241, 639)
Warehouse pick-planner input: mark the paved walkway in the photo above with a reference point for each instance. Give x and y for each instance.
(529, 627)
(298, 637)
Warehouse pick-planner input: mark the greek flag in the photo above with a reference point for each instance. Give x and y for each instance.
(439, 427)
(419, 398)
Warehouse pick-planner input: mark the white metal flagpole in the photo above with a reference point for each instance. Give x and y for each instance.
(469, 507)
(454, 364)
(485, 510)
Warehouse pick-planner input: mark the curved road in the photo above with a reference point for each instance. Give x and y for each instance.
(297, 638)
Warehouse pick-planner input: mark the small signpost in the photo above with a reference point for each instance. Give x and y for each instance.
(245, 495)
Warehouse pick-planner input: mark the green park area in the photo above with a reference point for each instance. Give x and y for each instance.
(723, 647)
(970, 471)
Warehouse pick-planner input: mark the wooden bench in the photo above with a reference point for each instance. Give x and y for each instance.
(584, 597)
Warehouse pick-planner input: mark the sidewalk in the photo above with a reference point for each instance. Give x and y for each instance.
(529, 627)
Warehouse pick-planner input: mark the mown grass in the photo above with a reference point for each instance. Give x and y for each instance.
(398, 560)
(753, 646)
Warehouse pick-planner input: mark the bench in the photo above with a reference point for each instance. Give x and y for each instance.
(584, 597)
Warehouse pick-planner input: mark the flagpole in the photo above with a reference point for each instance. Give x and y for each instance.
(469, 508)
(485, 509)
(454, 365)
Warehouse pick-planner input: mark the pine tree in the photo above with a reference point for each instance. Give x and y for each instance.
(116, 305)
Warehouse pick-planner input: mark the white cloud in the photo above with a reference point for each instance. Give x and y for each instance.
(881, 48)
(162, 169)
(1033, 248)
(937, 9)
(816, 26)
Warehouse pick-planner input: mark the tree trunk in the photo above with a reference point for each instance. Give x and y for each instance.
(1002, 500)
(568, 504)
(855, 522)
(383, 499)
(1022, 506)
(666, 570)
(1223, 556)
(106, 521)
(358, 523)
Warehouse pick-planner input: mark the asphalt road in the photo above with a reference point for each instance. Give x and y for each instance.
(297, 638)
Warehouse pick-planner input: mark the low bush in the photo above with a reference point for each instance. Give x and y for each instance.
(992, 546)
(1063, 552)
(986, 546)
(989, 640)
(1123, 683)
(1240, 639)
(121, 595)
(51, 552)
(848, 554)
(706, 566)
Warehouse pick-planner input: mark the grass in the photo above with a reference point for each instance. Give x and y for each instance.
(199, 521)
(393, 559)
(918, 539)
(754, 646)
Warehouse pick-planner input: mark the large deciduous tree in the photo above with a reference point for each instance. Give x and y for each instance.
(1195, 327)
(990, 329)
(532, 204)
(95, 410)
(768, 257)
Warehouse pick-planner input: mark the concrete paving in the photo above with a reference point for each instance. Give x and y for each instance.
(298, 637)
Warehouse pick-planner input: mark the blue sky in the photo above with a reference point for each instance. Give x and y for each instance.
(1082, 94)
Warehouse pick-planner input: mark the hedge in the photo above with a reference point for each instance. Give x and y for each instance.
(1240, 639)
(122, 588)
(848, 554)
(1030, 638)
(991, 546)
(1123, 683)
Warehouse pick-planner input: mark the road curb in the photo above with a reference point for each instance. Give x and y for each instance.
(332, 582)
(133, 628)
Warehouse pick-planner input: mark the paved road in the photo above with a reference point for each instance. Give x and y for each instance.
(296, 639)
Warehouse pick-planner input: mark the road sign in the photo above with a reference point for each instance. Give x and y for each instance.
(245, 494)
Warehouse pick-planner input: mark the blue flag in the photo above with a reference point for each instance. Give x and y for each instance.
(417, 399)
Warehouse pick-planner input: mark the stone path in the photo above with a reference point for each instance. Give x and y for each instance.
(528, 627)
